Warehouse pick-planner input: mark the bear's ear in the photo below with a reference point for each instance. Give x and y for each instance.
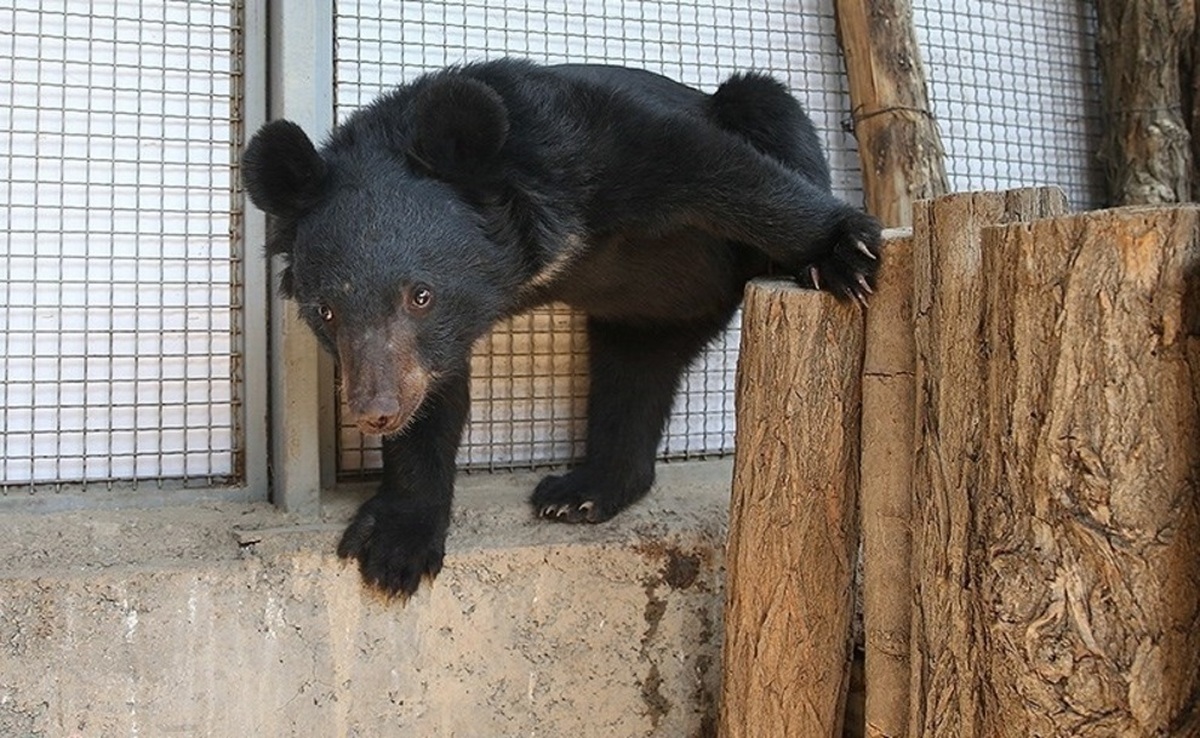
(459, 126)
(282, 170)
(286, 282)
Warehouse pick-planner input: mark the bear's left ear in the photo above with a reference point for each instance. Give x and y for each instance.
(459, 126)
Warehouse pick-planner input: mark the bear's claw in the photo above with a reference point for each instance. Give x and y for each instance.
(866, 251)
(583, 512)
(848, 266)
(563, 499)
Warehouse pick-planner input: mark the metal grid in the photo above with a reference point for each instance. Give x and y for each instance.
(120, 342)
(529, 386)
(1015, 88)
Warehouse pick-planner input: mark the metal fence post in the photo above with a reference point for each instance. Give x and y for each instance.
(301, 90)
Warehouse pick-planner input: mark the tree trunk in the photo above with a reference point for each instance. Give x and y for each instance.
(888, 389)
(793, 522)
(1146, 146)
(898, 140)
(1191, 94)
(1090, 515)
(951, 361)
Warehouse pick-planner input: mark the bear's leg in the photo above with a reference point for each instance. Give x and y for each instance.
(634, 375)
(398, 536)
(719, 182)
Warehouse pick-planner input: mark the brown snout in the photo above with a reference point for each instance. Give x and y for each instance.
(382, 382)
(378, 415)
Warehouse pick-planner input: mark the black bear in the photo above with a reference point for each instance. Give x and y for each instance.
(477, 192)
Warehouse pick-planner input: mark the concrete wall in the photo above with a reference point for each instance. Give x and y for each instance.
(233, 621)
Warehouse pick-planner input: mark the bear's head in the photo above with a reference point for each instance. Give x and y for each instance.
(386, 254)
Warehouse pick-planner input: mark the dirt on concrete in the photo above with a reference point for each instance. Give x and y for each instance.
(236, 620)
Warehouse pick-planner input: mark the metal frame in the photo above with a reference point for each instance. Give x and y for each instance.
(287, 389)
(300, 81)
(255, 473)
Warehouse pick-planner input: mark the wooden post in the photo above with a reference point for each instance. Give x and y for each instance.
(1146, 145)
(1090, 522)
(1190, 85)
(898, 140)
(951, 361)
(888, 389)
(793, 524)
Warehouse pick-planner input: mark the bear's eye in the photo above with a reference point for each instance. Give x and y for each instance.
(420, 297)
(325, 312)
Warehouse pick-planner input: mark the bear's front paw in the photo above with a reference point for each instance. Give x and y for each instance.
(396, 545)
(848, 266)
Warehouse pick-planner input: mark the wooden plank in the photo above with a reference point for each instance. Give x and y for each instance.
(888, 389)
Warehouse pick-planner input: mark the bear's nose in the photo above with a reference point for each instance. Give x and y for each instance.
(379, 415)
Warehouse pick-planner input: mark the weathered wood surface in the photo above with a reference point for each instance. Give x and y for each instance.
(951, 366)
(898, 141)
(1090, 516)
(1190, 92)
(1146, 146)
(889, 389)
(793, 520)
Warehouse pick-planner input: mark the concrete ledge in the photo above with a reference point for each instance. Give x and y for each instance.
(232, 620)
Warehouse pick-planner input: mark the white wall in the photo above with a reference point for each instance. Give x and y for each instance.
(117, 351)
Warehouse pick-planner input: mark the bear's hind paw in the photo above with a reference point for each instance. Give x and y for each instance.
(569, 498)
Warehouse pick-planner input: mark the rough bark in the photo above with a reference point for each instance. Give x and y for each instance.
(888, 388)
(1190, 71)
(793, 520)
(1090, 511)
(951, 360)
(898, 141)
(1146, 146)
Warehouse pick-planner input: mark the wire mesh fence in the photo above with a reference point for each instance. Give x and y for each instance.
(118, 348)
(121, 346)
(522, 418)
(1015, 89)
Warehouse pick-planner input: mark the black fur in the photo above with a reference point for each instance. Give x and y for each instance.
(459, 126)
(283, 170)
(478, 192)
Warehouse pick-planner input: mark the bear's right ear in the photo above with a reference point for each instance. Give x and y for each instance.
(282, 170)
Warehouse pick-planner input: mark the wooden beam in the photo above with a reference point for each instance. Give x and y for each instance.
(951, 361)
(889, 387)
(1146, 146)
(898, 140)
